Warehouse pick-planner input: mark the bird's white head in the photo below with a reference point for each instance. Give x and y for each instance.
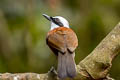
(57, 21)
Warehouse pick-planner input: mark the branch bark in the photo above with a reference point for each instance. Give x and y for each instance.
(94, 67)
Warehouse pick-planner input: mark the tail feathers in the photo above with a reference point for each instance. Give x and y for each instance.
(66, 65)
(71, 66)
(62, 73)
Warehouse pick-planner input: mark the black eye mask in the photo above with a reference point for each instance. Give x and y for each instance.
(56, 21)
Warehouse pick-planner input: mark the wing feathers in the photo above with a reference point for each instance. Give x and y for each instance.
(62, 39)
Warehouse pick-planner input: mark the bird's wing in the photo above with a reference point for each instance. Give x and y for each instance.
(71, 40)
(62, 39)
(56, 41)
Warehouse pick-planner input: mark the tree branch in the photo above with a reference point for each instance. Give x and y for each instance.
(94, 67)
(98, 63)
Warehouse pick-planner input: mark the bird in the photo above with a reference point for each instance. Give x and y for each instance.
(63, 41)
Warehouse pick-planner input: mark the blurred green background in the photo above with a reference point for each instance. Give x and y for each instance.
(23, 31)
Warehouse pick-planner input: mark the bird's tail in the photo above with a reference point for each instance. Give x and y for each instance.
(66, 65)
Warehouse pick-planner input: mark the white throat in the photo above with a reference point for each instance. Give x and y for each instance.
(62, 20)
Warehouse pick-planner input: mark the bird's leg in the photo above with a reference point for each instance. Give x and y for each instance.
(52, 70)
(108, 78)
(52, 74)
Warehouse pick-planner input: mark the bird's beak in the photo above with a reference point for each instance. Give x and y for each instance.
(47, 17)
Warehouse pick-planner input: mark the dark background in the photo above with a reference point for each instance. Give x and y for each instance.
(23, 31)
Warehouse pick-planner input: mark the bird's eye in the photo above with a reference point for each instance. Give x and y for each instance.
(56, 20)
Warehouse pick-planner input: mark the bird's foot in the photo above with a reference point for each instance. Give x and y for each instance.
(108, 78)
(52, 71)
